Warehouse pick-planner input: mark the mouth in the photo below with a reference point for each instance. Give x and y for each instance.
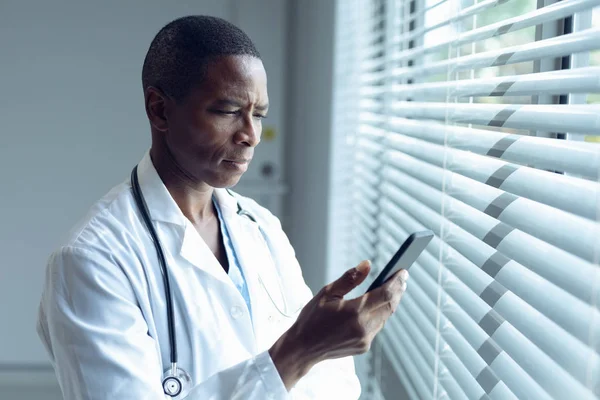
(239, 165)
(241, 161)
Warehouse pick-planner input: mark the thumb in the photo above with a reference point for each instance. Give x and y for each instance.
(351, 279)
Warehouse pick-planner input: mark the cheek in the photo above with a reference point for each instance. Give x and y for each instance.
(189, 128)
(208, 140)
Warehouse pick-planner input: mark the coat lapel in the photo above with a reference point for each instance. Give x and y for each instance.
(196, 252)
(259, 270)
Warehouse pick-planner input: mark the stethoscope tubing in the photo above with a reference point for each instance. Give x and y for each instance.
(143, 207)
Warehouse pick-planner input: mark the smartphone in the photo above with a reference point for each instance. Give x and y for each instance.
(404, 257)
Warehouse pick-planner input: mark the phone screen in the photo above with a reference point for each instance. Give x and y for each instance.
(404, 257)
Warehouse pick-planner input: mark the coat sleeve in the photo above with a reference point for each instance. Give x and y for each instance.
(330, 379)
(97, 337)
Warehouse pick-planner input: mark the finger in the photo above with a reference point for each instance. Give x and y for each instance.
(351, 279)
(386, 293)
(375, 322)
(381, 314)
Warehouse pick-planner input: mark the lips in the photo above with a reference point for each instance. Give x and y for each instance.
(239, 161)
(239, 164)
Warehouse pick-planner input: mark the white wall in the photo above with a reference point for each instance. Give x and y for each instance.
(73, 125)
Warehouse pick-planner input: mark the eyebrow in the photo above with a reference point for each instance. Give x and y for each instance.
(234, 103)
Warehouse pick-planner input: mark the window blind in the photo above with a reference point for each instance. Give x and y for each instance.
(480, 121)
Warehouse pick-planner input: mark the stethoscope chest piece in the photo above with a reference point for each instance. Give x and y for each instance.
(176, 385)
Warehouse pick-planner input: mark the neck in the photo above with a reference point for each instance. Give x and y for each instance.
(193, 198)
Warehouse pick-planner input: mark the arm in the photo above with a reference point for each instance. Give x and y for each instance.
(98, 338)
(326, 379)
(329, 329)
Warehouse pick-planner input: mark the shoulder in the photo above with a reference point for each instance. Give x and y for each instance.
(104, 221)
(98, 248)
(101, 243)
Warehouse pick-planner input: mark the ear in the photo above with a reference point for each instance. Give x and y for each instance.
(157, 104)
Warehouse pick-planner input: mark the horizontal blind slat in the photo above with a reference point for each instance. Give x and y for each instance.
(522, 279)
(452, 329)
(457, 326)
(365, 183)
(581, 80)
(473, 249)
(395, 360)
(538, 365)
(404, 324)
(545, 14)
(552, 118)
(524, 283)
(579, 158)
(533, 218)
(517, 310)
(540, 186)
(467, 185)
(460, 15)
(419, 383)
(516, 379)
(564, 45)
(447, 353)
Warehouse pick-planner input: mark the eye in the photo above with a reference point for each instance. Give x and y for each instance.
(226, 112)
(259, 116)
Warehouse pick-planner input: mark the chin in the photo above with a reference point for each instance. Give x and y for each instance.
(224, 182)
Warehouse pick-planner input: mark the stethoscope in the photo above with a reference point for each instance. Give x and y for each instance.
(175, 379)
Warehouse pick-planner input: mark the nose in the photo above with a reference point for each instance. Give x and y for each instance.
(249, 134)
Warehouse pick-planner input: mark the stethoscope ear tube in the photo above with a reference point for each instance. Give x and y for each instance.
(141, 203)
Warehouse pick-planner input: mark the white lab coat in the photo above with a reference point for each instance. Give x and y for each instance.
(103, 318)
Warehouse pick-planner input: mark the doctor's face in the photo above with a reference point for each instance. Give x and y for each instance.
(212, 133)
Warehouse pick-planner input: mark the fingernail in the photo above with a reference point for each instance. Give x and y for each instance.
(363, 267)
(404, 275)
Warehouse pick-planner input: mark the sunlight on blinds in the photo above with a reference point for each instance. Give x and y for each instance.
(480, 121)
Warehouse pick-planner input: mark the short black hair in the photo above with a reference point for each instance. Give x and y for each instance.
(178, 54)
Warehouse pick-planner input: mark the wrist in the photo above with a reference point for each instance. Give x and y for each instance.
(290, 358)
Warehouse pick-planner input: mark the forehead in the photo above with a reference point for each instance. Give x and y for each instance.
(241, 77)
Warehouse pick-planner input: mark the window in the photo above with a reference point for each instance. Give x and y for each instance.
(480, 121)
(594, 98)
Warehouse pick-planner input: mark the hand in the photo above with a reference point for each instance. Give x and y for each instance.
(331, 327)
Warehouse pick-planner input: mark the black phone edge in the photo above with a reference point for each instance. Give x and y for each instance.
(383, 274)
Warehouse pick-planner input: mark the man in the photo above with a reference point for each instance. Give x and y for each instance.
(112, 319)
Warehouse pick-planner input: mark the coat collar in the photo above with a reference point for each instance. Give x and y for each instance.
(160, 203)
(190, 245)
(248, 241)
